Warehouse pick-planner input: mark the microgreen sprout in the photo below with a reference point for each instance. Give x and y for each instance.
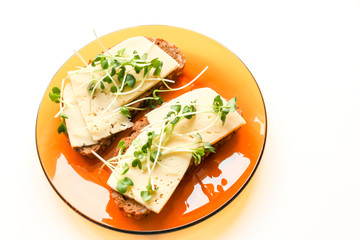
(118, 67)
(146, 195)
(122, 146)
(125, 111)
(126, 169)
(201, 151)
(123, 184)
(222, 110)
(55, 96)
(114, 67)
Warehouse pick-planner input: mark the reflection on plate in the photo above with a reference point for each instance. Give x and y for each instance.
(209, 187)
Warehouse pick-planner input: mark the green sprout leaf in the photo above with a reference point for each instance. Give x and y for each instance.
(153, 155)
(222, 110)
(121, 52)
(62, 128)
(139, 154)
(146, 70)
(223, 114)
(54, 97)
(148, 144)
(159, 100)
(102, 85)
(144, 148)
(231, 104)
(208, 147)
(55, 94)
(150, 187)
(126, 169)
(130, 80)
(136, 163)
(113, 71)
(189, 109)
(104, 63)
(121, 143)
(138, 69)
(125, 111)
(136, 55)
(107, 79)
(146, 195)
(56, 90)
(176, 108)
(175, 120)
(121, 74)
(113, 89)
(217, 104)
(198, 154)
(158, 69)
(128, 181)
(144, 56)
(98, 58)
(123, 185)
(198, 136)
(91, 86)
(150, 138)
(152, 104)
(169, 114)
(155, 62)
(122, 146)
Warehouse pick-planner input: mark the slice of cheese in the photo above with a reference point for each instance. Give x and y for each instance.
(97, 112)
(202, 96)
(78, 133)
(168, 175)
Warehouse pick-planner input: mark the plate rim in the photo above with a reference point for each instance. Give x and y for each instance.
(168, 230)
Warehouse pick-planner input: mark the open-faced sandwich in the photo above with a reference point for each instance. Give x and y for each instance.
(98, 100)
(164, 144)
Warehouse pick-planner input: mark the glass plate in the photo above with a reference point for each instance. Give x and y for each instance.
(207, 188)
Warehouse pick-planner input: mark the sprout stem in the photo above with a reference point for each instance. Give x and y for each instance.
(101, 43)
(81, 58)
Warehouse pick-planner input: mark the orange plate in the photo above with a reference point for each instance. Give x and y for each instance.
(206, 189)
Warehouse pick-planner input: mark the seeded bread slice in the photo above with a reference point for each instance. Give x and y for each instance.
(172, 51)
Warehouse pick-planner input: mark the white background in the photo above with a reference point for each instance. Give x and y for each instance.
(305, 56)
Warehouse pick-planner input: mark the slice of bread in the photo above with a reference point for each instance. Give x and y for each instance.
(130, 207)
(172, 51)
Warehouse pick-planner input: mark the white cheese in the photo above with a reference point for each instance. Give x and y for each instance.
(110, 122)
(168, 175)
(202, 96)
(100, 123)
(78, 134)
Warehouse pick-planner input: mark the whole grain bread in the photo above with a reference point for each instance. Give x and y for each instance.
(172, 51)
(130, 207)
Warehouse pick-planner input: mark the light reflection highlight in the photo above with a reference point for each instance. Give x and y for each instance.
(231, 170)
(84, 195)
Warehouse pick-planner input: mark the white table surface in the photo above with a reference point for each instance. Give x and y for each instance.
(305, 56)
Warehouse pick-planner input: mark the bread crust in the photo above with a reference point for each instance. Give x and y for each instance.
(129, 206)
(172, 51)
